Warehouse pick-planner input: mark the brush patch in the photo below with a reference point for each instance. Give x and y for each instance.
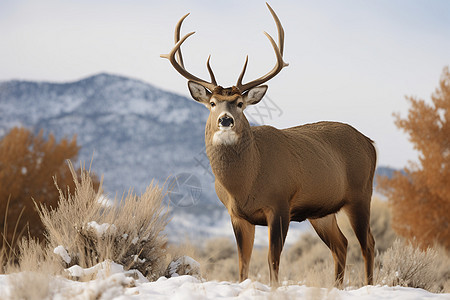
(225, 137)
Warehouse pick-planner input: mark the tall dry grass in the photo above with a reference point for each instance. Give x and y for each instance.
(9, 238)
(90, 232)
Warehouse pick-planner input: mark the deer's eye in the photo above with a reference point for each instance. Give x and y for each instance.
(212, 104)
(240, 104)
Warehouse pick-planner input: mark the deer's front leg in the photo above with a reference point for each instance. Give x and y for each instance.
(278, 226)
(245, 236)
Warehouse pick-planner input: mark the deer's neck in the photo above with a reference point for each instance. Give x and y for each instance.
(234, 166)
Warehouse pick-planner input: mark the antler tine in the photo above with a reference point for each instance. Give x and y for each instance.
(279, 55)
(177, 38)
(211, 74)
(280, 29)
(241, 76)
(179, 65)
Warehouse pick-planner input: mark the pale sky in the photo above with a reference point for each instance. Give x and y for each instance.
(350, 61)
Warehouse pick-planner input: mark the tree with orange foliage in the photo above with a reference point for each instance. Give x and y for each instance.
(420, 195)
(28, 164)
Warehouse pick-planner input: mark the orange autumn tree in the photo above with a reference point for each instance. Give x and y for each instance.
(28, 164)
(420, 195)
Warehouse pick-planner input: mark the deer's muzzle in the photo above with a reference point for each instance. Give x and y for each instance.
(226, 121)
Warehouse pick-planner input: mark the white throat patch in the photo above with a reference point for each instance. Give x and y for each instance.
(225, 137)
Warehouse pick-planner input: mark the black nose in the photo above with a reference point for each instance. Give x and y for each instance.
(226, 121)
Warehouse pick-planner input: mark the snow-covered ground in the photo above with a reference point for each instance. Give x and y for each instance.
(114, 283)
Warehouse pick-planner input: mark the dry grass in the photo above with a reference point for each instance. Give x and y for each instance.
(91, 232)
(407, 265)
(8, 250)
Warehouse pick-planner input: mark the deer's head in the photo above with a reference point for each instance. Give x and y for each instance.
(226, 120)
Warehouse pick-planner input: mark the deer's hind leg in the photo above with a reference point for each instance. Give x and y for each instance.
(358, 212)
(328, 230)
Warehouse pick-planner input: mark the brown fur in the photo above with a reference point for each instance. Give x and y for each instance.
(271, 177)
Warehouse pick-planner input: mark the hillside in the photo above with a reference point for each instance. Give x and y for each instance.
(135, 131)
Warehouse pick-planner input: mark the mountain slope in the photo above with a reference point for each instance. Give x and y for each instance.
(135, 131)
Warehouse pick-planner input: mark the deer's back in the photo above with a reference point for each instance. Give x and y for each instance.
(319, 160)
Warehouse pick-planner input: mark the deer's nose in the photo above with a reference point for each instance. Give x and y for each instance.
(226, 121)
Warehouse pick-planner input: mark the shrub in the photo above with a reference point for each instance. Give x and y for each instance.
(83, 231)
(406, 265)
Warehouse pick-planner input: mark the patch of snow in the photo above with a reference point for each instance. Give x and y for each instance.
(77, 271)
(61, 251)
(138, 260)
(188, 287)
(111, 281)
(104, 270)
(101, 229)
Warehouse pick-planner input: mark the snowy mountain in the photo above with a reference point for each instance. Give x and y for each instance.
(135, 131)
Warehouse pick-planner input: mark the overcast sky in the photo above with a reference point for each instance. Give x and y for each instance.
(349, 61)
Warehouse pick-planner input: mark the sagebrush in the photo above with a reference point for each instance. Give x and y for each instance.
(92, 232)
(407, 265)
(85, 230)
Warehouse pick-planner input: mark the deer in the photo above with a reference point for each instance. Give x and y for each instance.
(269, 177)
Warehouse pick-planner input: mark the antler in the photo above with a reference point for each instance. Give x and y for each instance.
(278, 52)
(178, 63)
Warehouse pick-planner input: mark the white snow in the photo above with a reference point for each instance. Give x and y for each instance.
(104, 270)
(61, 251)
(137, 259)
(101, 229)
(113, 282)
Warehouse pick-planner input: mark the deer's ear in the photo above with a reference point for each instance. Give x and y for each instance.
(199, 92)
(255, 94)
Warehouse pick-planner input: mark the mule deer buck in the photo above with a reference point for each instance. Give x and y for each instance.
(265, 176)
